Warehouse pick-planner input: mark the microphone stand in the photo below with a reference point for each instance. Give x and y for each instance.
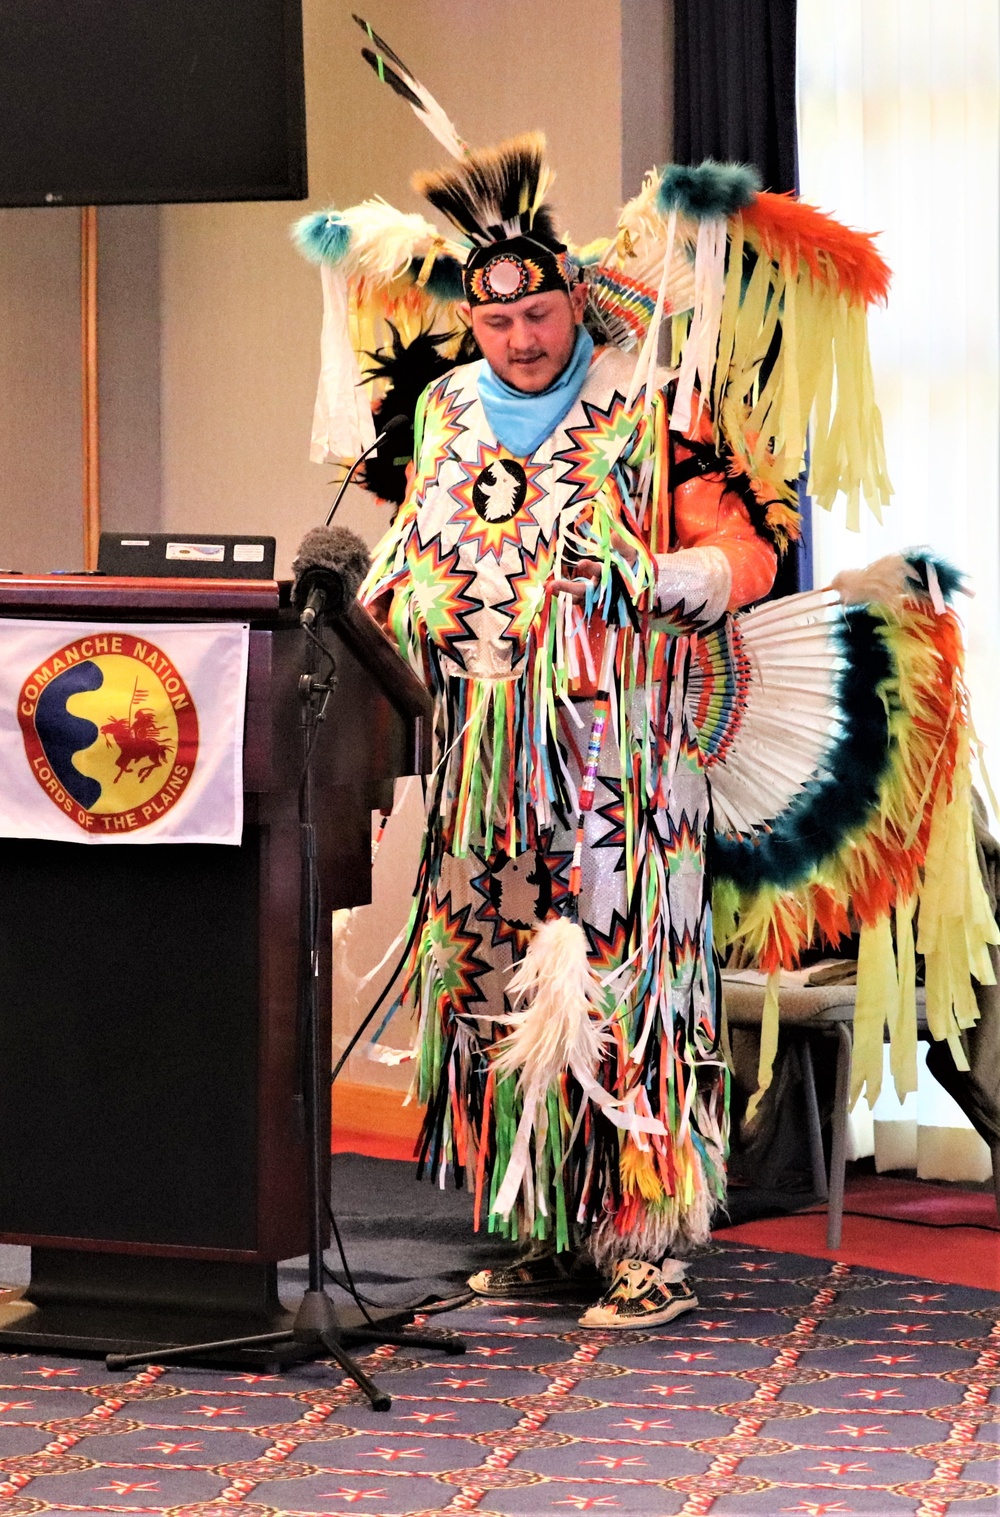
(317, 1331)
(393, 425)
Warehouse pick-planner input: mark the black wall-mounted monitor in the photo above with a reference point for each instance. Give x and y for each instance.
(135, 101)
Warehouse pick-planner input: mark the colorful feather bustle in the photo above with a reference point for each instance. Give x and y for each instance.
(778, 294)
(883, 830)
(386, 276)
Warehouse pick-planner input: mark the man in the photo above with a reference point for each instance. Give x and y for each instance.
(519, 575)
(574, 529)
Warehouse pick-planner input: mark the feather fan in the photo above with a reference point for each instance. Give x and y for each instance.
(763, 697)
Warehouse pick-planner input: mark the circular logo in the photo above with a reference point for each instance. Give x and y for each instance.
(505, 277)
(110, 731)
(499, 492)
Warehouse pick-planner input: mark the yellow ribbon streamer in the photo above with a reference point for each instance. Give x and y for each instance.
(903, 1019)
(769, 1025)
(878, 997)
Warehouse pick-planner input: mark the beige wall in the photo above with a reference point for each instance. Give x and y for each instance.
(40, 471)
(40, 429)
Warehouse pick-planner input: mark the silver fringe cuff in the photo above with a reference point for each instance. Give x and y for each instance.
(693, 587)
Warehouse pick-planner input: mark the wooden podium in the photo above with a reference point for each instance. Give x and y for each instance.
(152, 1146)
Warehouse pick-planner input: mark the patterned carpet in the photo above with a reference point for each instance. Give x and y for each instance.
(793, 1389)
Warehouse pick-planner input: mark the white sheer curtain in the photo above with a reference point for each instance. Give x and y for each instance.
(927, 1132)
(899, 126)
(899, 132)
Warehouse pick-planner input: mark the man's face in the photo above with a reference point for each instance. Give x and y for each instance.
(529, 342)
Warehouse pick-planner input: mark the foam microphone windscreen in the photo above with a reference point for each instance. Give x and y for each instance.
(338, 550)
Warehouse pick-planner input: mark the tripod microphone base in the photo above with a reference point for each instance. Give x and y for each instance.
(318, 1331)
(316, 1315)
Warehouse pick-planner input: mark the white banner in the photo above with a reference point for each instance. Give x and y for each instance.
(122, 734)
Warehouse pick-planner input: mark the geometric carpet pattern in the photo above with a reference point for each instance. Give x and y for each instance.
(797, 1387)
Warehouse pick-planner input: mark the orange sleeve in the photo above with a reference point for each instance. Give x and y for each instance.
(708, 512)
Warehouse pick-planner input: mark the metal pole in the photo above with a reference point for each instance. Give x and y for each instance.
(89, 386)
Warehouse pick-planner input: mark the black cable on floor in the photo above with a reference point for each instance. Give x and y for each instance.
(347, 1268)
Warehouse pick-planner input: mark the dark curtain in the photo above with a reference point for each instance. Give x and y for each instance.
(734, 85)
(734, 100)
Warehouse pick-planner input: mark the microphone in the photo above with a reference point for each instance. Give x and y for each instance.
(393, 425)
(328, 568)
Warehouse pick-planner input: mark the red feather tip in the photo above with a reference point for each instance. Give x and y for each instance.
(794, 228)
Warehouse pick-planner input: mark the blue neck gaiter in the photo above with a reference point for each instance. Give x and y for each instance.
(521, 422)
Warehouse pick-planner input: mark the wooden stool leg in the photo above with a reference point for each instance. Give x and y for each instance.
(838, 1150)
(820, 1187)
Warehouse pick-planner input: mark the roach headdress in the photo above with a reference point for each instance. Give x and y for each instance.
(496, 198)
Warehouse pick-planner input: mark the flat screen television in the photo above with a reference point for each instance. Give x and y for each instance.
(107, 102)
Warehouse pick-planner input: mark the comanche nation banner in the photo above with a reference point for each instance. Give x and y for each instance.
(122, 734)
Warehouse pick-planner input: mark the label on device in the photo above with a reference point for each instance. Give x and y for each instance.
(249, 553)
(212, 553)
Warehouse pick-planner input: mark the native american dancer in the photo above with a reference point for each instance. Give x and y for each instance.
(627, 776)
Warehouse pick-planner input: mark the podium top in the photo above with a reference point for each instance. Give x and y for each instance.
(69, 594)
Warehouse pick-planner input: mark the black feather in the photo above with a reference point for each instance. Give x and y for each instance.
(391, 78)
(381, 44)
(409, 369)
(488, 189)
(444, 281)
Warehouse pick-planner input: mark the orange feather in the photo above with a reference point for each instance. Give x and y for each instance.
(834, 253)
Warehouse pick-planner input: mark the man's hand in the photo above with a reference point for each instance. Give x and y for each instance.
(588, 570)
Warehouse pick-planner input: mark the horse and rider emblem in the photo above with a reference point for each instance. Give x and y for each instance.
(110, 731)
(138, 739)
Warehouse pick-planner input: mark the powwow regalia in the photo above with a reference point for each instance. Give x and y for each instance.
(628, 783)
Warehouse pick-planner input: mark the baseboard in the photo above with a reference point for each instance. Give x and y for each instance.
(371, 1119)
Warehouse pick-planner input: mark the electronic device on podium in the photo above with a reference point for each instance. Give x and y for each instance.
(186, 555)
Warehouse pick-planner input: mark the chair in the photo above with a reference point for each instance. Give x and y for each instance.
(807, 1011)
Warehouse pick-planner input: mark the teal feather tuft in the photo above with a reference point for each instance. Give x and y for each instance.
(950, 580)
(323, 237)
(445, 279)
(707, 190)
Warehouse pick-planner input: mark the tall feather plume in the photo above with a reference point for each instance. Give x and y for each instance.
(496, 192)
(393, 71)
